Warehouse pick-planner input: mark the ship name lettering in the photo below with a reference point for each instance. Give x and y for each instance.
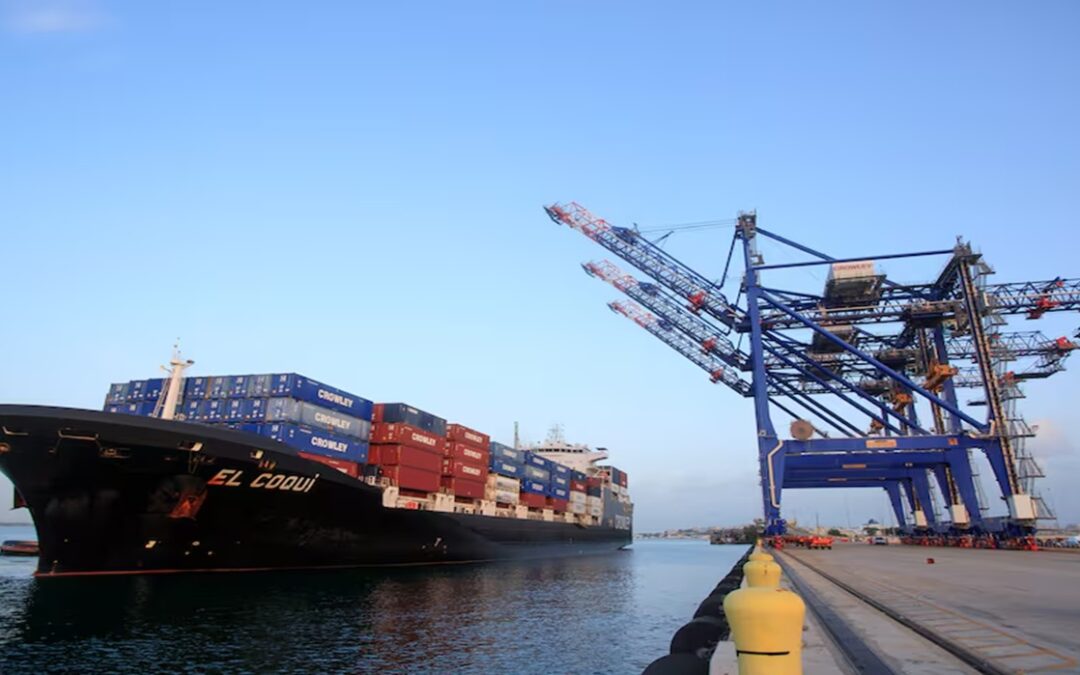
(281, 481)
(226, 477)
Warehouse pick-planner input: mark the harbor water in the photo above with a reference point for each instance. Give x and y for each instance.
(611, 613)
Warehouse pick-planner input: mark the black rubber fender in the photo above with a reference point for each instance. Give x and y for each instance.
(701, 633)
(677, 664)
(711, 606)
(726, 586)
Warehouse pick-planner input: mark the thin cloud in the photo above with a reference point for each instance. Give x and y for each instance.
(34, 17)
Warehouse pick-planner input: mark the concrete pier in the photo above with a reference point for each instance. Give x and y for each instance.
(999, 611)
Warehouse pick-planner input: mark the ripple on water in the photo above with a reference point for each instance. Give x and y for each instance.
(602, 614)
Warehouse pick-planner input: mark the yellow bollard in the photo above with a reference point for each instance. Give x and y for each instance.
(760, 555)
(766, 626)
(762, 573)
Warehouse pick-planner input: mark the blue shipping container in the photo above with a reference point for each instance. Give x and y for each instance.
(536, 473)
(504, 468)
(560, 493)
(593, 491)
(401, 413)
(209, 411)
(259, 386)
(144, 408)
(317, 442)
(238, 386)
(153, 388)
(244, 409)
(533, 487)
(136, 391)
(196, 387)
(537, 460)
(561, 470)
(118, 393)
(312, 391)
(253, 409)
(189, 410)
(301, 412)
(577, 475)
(219, 386)
(507, 453)
(560, 481)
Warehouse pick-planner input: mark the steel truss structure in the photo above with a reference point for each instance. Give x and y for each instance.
(854, 365)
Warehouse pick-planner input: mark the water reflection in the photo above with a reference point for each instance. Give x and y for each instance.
(581, 615)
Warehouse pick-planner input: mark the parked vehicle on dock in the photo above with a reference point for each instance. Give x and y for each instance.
(819, 542)
(879, 541)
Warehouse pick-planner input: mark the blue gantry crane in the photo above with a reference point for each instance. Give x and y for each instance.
(863, 357)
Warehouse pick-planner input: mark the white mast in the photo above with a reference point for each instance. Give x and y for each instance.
(174, 385)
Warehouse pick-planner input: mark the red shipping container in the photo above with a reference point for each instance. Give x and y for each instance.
(403, 455)
(403, 434)
(594, 482)
(347, 468)
(471, 489)
(558, 505)
(533, 501)
(462, 469)
(577, 485)
(456, 432)
(411, 478)
(465, 452)
(623, 480)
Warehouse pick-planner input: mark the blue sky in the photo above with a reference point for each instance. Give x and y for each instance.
(354, 193)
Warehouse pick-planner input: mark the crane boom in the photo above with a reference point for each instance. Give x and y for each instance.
(655, 299)
(701, 293)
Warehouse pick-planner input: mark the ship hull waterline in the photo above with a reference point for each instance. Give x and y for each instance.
(112, 494)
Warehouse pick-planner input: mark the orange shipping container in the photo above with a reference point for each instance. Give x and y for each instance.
(347, 468)
(462, 434)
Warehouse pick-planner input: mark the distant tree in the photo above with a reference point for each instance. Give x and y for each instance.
(833, 532)
(750, 533)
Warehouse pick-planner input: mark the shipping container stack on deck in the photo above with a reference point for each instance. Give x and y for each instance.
(536, 481)
(465, 462)
(415, 451)
(578, 491)
(321, 422)
(407, 444)
(506, 466)
(559, 488)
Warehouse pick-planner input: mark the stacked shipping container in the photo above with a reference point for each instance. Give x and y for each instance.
(415, 450)
(408, 445)
(321, 422)
(465, 462)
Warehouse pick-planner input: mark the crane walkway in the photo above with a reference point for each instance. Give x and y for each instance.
(1010, 611)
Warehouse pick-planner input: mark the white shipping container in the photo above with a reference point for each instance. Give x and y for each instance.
(615, 489)
(594, 500)
(577, 497)
(856, 269)
(507, 484)
(577, 508)
(507, 497)
(595, 510)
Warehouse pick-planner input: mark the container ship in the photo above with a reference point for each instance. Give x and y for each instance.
(279, 471)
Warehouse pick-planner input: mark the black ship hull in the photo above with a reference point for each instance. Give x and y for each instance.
(112, 494)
